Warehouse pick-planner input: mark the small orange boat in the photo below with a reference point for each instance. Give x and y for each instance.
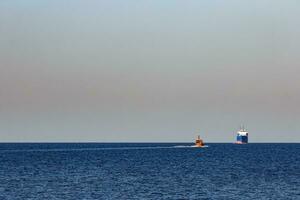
(199, 142)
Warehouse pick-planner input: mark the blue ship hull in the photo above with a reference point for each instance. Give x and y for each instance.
(242, 139)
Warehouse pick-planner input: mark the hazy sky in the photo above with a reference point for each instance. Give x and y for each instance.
(109, 71)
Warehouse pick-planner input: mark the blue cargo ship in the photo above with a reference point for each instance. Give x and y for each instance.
(242, 136)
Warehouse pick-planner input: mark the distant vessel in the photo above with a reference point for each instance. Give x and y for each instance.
(199, 142)
(242, 136)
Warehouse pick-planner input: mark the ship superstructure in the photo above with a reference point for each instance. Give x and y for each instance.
(242, 136)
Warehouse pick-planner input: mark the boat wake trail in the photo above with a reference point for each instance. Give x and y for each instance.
(192, 146)
(182, 146)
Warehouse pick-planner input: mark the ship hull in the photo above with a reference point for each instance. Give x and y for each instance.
(241, 139)
(237, 142)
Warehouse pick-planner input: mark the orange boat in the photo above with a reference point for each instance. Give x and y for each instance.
(199, 142)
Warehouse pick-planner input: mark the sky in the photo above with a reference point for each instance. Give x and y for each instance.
(149, 71)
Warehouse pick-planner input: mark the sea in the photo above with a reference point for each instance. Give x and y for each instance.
(149, 171)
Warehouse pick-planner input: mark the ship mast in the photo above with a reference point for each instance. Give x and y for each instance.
(242, 128)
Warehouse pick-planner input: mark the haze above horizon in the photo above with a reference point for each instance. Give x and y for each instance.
(149, 71)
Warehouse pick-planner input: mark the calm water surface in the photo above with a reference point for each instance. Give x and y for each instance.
(149, 171)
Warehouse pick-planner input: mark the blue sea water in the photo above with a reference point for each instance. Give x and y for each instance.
(149, 171)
